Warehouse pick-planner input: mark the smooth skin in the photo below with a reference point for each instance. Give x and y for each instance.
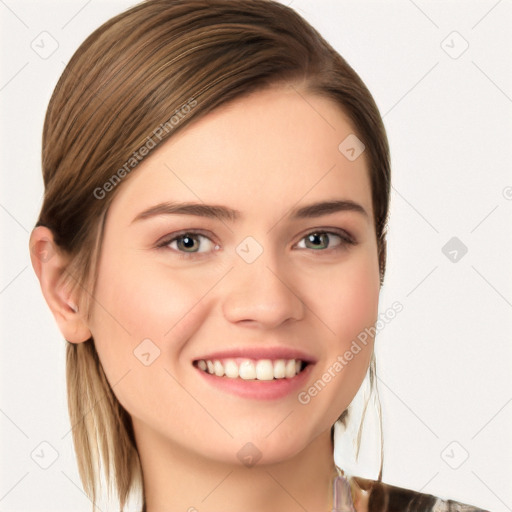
(263, 155)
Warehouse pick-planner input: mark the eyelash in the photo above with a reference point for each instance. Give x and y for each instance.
(346, 240)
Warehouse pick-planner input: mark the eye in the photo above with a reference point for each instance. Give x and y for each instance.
(320, 240)
(188, 243)
(193, 244)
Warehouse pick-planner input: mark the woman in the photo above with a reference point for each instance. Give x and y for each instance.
(212, 246)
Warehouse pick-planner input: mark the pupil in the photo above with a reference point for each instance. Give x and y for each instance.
(316, 238)
(188, 242)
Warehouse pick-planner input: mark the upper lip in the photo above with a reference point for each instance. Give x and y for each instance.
(259, 353)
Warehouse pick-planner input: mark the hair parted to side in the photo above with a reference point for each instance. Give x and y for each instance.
(123, 87)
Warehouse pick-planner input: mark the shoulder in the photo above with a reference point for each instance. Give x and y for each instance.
(374, 496)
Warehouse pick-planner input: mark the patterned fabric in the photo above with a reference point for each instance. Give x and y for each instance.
(374, 496)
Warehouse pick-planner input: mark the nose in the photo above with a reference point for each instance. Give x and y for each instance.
(260, 295)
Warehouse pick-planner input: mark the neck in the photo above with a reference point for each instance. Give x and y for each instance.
(177, 479)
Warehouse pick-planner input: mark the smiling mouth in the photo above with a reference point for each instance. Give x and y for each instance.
(252, 369)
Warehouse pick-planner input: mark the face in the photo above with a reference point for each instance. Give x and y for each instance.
(262, 285)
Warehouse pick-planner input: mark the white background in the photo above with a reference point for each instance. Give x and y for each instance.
(444, 362)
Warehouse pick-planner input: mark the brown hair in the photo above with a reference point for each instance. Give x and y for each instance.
(134, 82)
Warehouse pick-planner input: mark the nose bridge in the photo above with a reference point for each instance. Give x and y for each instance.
(259, 290)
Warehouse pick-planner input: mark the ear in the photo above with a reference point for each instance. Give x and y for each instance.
(49, 264)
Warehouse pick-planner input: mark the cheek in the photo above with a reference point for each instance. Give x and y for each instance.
(348, 302)
(151, 301)
(349, 307)
(143, 314)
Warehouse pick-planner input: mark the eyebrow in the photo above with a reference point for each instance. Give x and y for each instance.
(224, 213)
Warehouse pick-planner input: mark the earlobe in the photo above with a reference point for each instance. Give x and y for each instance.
(49, 264)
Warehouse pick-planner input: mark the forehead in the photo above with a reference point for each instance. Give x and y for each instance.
(270, 150)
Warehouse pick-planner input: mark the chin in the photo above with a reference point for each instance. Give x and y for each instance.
(270, 446)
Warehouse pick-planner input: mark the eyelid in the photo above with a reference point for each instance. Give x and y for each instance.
(170, 237)
(346, 237)
(164, 242)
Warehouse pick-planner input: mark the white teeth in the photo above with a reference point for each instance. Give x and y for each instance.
(264, 369)
(218, 368)
(280, 369)
(249, 369)
(230, 369)
(290, 369)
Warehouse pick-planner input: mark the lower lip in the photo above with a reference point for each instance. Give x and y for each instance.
(258, 389)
